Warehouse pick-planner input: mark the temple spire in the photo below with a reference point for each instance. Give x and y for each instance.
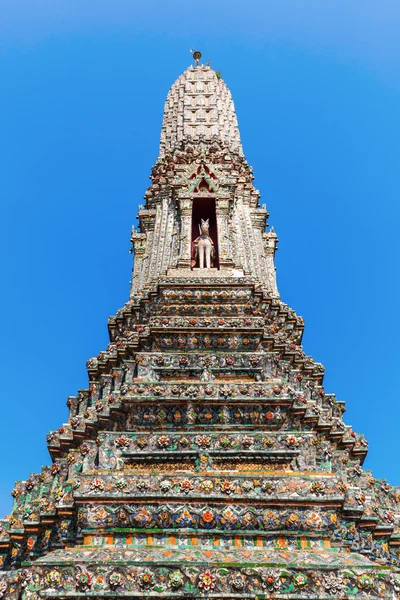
(199, 110)
(204, 459)
(202, 180)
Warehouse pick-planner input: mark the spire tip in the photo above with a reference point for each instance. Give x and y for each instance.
(197, 56)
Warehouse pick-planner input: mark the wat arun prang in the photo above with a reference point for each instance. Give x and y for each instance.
(205, 458)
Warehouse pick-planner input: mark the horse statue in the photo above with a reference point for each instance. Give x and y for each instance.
(204, 251)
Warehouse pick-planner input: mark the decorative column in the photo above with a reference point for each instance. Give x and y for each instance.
(138, 241)
(271, 241)
(185, 206)
(259, 220)
(222, 216)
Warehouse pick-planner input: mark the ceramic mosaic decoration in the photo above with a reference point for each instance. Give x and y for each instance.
(205, 458)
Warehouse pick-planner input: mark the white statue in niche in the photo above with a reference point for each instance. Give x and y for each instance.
(204, 251)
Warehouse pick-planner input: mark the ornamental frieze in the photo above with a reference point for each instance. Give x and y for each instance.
(229, 517)
(275, 392)
(171, 580)
(203, 413)
(208, 323)
(206, 440)
(278, 488)
(206, 295)
(199, 341)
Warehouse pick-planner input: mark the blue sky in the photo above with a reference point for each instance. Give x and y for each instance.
(316, 87)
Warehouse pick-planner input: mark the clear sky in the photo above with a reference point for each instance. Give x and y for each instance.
(317, 91)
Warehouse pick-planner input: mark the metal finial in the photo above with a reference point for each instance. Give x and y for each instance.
(197, 56)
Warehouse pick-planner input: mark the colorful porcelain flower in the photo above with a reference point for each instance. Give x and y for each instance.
(192, 391)
(267, 487)
(207, 516)
(53, 578)
(225, 391)
(291, 441)
(269, 442)
(142, 485)
(333, 583)
(186, 486)
(318, 488)
(206, 581)
(227, 487)
(121, 484)
(163, 441)
(115, 579)
(147, 579)
(271, 580)
(247, 441)
(224, 441)
(300, 579)
(238, 581)
(365, 582)
(203, 441)
(165, 485)
(176, 579)
(84, 579)
(207, 485)
(97, 484)
(247, 486)
(123, 442)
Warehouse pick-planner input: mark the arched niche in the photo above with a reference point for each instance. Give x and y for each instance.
(204, 208)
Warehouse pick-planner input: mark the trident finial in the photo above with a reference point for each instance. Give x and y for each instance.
(197, 56)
